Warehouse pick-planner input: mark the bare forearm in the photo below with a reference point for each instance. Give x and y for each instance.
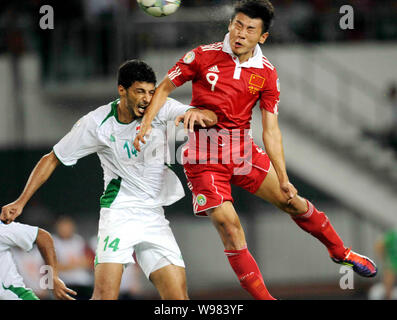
(158, 100)
(274, 148)
(40, 174)
(47, 250)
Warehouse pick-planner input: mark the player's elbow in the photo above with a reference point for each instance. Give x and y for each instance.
(43, 238)
(50, 158)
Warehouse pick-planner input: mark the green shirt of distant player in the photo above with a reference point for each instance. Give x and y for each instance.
(390, 240)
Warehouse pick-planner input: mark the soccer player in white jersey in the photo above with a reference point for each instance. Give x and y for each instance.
(132, 225)
(12, 286)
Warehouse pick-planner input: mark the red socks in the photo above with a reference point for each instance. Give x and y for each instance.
(314, 222)
(317, 224)
(248, 273)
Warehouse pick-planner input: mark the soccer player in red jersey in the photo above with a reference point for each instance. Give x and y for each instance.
(229, 78)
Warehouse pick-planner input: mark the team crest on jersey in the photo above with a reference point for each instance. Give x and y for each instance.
(255, 83)
(189, 57)
(201, 199)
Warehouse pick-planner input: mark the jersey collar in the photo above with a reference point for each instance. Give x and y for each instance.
(254, 62)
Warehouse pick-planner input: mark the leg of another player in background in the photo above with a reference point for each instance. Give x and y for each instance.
(227, 223)
(170, 282)
(388, 282)
(107, 281)
(303, 213)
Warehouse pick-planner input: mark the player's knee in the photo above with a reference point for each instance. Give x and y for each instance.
(176, 295)
(182, 294)
(105, 296)
(102, 293)
(178, 291)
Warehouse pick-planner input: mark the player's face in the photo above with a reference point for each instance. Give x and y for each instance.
(245, 34)
(138, 97)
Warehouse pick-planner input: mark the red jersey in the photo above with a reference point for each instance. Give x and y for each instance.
(224, 85)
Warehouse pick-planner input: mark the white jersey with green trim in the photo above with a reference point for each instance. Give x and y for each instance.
(131, 178)
(13, 235)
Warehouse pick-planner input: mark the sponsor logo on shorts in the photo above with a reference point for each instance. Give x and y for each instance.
(201, 199)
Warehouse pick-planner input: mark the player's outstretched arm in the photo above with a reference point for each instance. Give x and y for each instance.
(272, 140)
(45, 243)
(205, 118)
(40, 174)
(158, 100)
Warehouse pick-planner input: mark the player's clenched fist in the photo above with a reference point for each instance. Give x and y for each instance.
(10, 212)
(140, 137)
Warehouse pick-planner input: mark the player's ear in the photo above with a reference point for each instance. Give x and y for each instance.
(121, 90)
(263, 37)
(230, 25)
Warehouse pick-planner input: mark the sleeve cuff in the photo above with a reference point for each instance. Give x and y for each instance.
(66, 165)
(175, 81)
(35, 239)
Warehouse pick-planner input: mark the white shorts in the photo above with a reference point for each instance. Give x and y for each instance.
(139, 235)
(17, 293)
(15, 289)
(12, 286)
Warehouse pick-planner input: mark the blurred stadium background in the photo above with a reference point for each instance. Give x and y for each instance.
(337, 114)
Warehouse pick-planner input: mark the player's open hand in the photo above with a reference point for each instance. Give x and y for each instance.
(289, 191)
(10, 212)
(140, 137)
(61, 292)
(194, 117)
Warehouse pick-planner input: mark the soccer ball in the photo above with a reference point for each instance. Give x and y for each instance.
(159, 8)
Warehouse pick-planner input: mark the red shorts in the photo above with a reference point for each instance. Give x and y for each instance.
(211, 183)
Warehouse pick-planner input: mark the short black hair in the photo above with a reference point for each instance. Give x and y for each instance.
(262, 9)
(135, 70)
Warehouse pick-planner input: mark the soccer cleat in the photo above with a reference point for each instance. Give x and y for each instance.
(363, 265)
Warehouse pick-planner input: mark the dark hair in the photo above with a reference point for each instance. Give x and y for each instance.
(261, 9)
(135, 70)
